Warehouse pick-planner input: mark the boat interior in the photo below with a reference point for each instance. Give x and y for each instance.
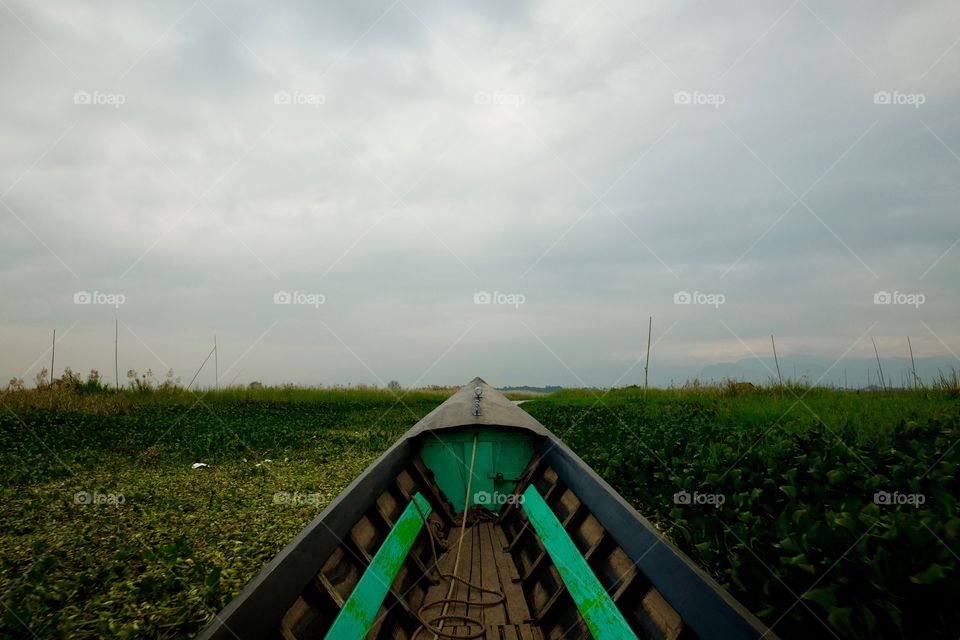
(510, 583)
(480, 523)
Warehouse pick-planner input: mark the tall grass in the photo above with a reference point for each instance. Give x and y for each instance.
(70, 394)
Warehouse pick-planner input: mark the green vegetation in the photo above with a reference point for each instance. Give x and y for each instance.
(107, 531)
(794, 474)
(164, 546)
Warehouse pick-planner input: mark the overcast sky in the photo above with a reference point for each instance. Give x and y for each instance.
(382, 164)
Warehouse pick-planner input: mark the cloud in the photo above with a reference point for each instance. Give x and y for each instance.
(399, 157)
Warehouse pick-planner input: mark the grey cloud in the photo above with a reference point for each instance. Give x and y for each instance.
(513, 117)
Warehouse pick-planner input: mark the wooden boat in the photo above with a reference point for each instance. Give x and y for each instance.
(480, 523)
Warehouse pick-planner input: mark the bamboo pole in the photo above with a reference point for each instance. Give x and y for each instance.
(199, 370)
(646, 368)
(913, 364)
(883, 385)
(116, 358)
(776, 360)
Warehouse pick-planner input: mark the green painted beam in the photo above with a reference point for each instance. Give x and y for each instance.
(360, 610)
(597, 608)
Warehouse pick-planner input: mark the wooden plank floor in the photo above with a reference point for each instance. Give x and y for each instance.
(485, 562)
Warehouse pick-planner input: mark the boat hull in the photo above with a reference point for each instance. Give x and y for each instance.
(627, 580)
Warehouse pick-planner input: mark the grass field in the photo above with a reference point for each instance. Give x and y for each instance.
(807, 535)
(106, 530)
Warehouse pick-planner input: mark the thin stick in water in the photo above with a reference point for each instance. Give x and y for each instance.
(883, 385)
(776, 360)
(646, 368)
(200, 369)
(116, 359)
(913, 365)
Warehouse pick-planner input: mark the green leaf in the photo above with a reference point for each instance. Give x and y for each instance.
(836, 476)
(839, 619)
(933, 573)
(952, 527)
(823, 597)
(846, 520)
(790, 491)
(799, 561)
(869, 619)
(214, 578)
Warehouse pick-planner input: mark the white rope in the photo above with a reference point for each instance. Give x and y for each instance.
(463, 528)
